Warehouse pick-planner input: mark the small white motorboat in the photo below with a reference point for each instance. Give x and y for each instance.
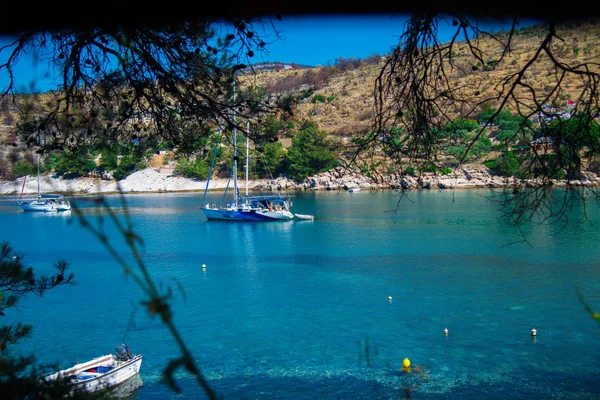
(101, 373)
(354, 189)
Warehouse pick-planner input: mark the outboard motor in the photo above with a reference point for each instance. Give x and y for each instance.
(123, 352)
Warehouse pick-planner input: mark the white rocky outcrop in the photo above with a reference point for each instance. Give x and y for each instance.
(151, 180)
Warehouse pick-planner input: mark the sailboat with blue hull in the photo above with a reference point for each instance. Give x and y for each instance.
(248, 208)
(252, 208)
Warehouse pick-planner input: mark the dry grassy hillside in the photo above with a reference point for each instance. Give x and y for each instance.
(346, 106)
(352, 92)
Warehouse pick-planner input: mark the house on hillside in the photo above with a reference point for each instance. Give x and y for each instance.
(543, 144)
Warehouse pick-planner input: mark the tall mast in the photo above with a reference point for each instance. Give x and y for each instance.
(38, 174)
(247, 142)
(38, 165)
(235, 156)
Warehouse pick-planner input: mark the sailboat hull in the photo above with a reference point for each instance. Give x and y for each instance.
(43, 202)
(251, 215)
(46, 203)
(37, 206)
(248, 208)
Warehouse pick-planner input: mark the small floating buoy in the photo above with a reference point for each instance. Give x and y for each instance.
(390, 298)
(446, 331)
(406, 366)
(533, 332)
(203, 266)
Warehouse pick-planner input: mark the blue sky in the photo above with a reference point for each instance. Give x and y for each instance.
(307, 40)
(320, 40)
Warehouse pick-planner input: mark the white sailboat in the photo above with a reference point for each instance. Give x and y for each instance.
(43, 202)
(248, 208)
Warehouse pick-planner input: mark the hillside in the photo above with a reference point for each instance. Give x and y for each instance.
(341, 97)
(352, 92)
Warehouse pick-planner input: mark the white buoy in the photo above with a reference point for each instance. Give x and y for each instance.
(203, 266)
(390, 298)
(533, 332)
(446, 331)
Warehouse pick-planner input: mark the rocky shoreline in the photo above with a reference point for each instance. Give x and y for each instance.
(151, 180)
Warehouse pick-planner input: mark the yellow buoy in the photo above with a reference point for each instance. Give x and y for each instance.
(406, 363)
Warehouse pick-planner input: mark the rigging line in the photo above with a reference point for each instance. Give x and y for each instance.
(266, 165)
(212, 163)
(25, 180)
(23, 187)
(268, 169)
(226, 188)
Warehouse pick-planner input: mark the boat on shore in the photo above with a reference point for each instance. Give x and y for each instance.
(101, 373)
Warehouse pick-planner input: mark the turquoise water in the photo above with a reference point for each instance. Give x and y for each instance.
(300, 309)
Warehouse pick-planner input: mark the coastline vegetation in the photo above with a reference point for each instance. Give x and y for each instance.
(335, 96)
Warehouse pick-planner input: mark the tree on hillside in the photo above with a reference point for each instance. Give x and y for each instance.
(414, 93)
(310, 152)
(119, 83)
(269, 160)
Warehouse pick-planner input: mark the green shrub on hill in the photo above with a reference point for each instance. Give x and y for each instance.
(23, 168)
(72, 164)
(507, 165)
(195, 169)
(310, 152)
(269, 160)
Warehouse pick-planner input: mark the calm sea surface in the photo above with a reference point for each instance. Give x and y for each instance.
(300, 309)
